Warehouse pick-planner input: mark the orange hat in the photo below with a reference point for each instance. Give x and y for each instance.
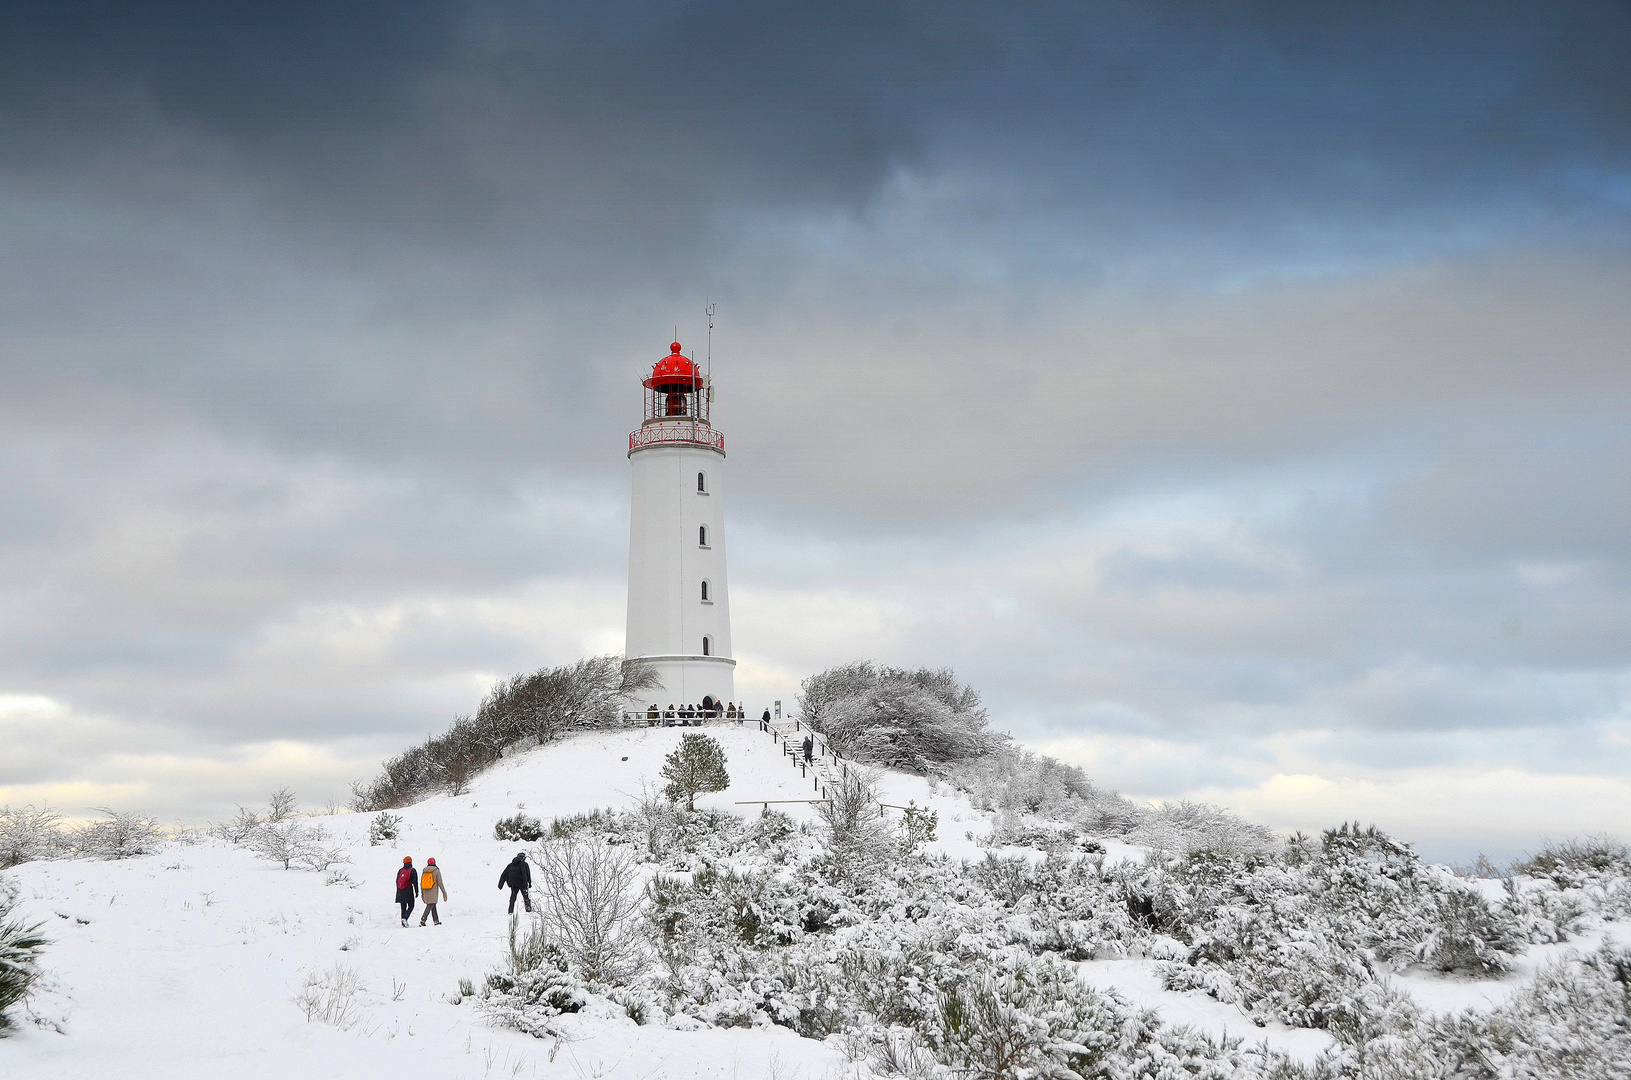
(407, 860)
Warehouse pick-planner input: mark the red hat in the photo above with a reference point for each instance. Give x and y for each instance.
(407, 860)
(430, 862)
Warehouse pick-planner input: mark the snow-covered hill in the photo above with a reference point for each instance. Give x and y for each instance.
(183, 964)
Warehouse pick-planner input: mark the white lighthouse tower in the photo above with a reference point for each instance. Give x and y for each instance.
(679, 604)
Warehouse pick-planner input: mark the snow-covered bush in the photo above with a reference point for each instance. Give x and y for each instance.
(1031, 791)
(1188, 827)
(118, 834)
(331, 997)
(385, 826)
(237, 830)
(857, 835)
(281, 804)
(929, 968)
(1574, 864)
(296, 843)
(519, 827)
(27, 834)
(1573, 1020)
(1304, 939)
(537, 987)
(541, 705)
(890, 716)
(20, 947)
(917, 827)
(1009, 778)
(590, 907)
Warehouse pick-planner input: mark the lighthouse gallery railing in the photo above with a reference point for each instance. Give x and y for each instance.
(676, 431)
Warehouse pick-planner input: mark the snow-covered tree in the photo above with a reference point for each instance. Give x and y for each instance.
(539, 705)
(118, 835)
(696, 767)
(293, 842)
(589, 905)
(27, 834)
(894, 717)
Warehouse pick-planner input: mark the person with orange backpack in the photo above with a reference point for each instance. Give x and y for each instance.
(432, 890)
(407, 887)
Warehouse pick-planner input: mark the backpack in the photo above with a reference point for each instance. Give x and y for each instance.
(427, 880)
(404, 878)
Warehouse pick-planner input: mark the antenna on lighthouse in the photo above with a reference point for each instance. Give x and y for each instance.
(709, 311)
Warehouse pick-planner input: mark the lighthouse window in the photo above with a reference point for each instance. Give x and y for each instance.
(702, 536)
(702, 483)
(707, 646)
(705, 597)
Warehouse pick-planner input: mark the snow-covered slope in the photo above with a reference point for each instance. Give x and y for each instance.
(183, 964)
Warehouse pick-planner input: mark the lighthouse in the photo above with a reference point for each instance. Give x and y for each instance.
(679, 604)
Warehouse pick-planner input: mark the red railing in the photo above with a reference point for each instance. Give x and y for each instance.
(679, 431)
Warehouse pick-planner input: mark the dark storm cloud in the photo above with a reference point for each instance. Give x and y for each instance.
(605, 122)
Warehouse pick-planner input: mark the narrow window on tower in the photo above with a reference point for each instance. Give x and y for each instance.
(702, 483)
(707, 646)
(705, 597)
(702, 536)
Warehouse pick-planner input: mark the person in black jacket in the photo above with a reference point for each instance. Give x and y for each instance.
(407, 887)
(518, 876)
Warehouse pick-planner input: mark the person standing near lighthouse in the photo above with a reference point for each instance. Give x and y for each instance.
(679, 603)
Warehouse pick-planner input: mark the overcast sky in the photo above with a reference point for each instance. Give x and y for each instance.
(1238, 395)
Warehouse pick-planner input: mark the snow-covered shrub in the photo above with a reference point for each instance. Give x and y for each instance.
(331, 997)
(385, 826)
(1037, 1019)
(698, 766)
(538, 985)
(118, 834)
(1578, 864)
(27, 834)
(237, 830)
(520, 827)
(858, 837)
(293, 842)
(281, 804)
(1190, 826)
(588, 904)
(593, 821)
(917, 827)
(1573, 1020)
(1303, 938)
(1072, 907)
(20, 947)
(655, 818)
(1029, 790)
(1010, 778)
(890, 716)
(541, 705)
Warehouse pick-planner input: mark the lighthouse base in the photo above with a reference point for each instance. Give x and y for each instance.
(687, 680)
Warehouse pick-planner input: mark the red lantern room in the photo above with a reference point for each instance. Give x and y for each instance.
(676, 389)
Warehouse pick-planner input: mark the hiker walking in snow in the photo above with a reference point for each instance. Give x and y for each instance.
(764, 721)
(407, 887)
(432, 890)
(809, 748)
(518, 876)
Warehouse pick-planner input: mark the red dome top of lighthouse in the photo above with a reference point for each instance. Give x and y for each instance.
(674, 374)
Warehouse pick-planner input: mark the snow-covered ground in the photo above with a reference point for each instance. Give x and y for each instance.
(183, 964)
